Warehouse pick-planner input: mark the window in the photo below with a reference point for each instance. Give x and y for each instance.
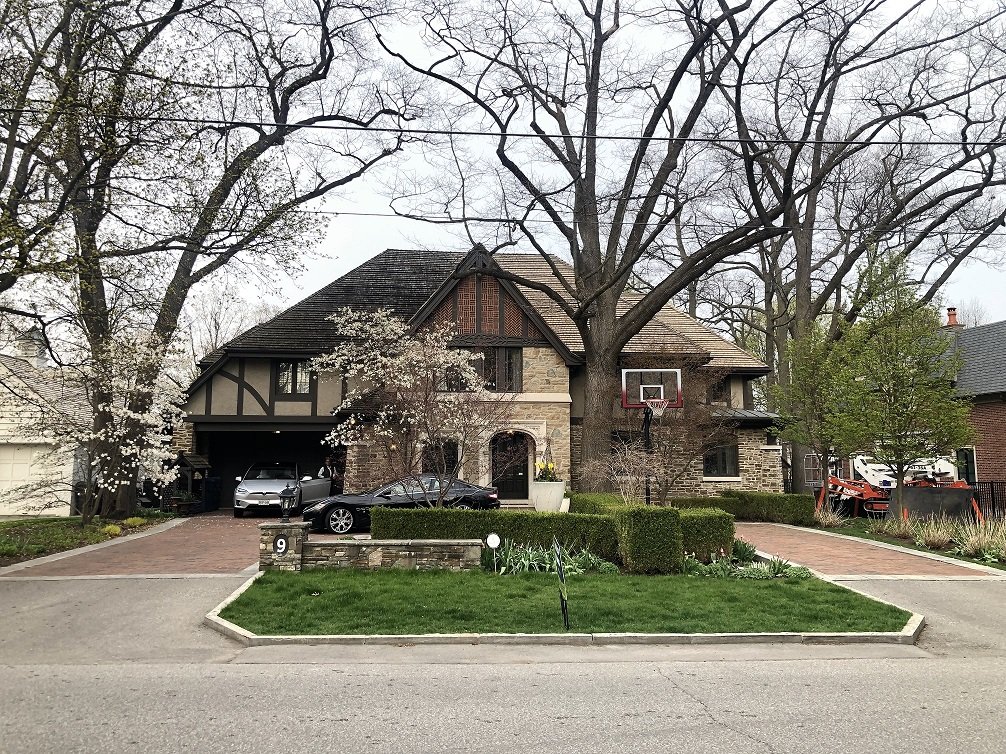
(440, 457)
(718, 393)
(293, 378)
(502, 369)
(721, 462)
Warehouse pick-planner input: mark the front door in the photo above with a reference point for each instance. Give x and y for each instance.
(510, 467)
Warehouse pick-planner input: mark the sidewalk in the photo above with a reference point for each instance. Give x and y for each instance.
(206, 544)
(838, 556)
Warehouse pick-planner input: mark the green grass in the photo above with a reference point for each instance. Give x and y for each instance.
(24, 539)
(856, 527)
(406, 602)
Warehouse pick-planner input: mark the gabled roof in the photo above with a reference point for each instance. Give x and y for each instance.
(983, 356)
(671, 331)
(37, 385)
(406, 281)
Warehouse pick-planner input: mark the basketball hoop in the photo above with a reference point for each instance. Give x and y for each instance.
(657, 406)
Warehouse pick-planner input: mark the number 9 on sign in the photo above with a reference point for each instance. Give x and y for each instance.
(279, 545)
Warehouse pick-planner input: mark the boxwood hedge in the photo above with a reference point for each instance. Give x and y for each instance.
(775, 507)
(707, 533)
(649, 539)
(595, 533)
(597, 503)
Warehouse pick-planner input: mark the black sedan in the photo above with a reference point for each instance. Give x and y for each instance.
(343, 513)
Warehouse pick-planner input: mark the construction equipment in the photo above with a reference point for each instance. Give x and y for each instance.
(870, 493)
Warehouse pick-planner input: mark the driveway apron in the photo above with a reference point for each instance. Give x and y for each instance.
(837, 556)
(206, 544)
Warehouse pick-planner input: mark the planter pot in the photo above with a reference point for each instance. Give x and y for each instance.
(547, 496)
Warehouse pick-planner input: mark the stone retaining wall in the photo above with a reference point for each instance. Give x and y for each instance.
(287, 547)
(415, 554)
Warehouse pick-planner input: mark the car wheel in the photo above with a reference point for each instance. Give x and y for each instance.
(464, 506)
(239, 513)
(340, 520)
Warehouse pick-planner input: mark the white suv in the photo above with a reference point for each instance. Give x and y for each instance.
(262, 483)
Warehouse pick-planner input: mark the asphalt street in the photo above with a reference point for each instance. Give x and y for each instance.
(122, 665)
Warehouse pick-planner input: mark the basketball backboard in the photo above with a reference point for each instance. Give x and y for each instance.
(638, 385)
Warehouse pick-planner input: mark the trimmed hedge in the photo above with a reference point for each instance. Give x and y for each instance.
(649, 539)
(774, 507)
(707, 532)
(595, 503)
(594, 533)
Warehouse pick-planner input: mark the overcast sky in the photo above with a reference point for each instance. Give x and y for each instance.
(352, 240)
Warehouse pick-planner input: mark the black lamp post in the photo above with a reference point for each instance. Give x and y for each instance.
(287, 498)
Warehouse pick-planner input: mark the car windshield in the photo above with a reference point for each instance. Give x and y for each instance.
(286, 471)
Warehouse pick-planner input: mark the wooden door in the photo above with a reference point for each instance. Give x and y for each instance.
(510, 466)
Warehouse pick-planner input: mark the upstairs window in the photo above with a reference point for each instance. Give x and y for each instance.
(293, 378)
(503, 369)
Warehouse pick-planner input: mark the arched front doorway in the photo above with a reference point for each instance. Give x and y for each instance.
(511, 467)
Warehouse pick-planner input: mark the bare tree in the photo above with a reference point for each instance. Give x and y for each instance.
(972, 312)
(746, 123)
(189, 136)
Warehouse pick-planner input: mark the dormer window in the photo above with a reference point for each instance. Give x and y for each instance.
(293, 378)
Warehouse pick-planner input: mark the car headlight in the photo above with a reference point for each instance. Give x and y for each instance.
(314, 508)
(241, 490)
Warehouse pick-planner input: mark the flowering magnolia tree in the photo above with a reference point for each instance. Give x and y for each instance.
(423, 403)
(85, 413)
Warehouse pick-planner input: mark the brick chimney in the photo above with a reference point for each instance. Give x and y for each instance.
(952, 316)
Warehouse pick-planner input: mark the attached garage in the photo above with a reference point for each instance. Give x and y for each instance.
(20, 465)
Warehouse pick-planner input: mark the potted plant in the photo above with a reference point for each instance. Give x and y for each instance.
(547, 490)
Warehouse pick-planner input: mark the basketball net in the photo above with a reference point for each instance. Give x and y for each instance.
(657, 406)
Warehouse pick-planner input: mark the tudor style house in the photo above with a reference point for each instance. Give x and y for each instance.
(256, 398)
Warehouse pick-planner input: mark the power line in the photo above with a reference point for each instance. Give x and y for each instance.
(405, 132)
(448, 220)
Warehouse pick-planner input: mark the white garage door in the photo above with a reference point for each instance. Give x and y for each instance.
(16, 469)
(15, 464)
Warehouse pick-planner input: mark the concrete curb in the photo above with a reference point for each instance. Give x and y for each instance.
(155, 529)
(1001, 573)
(909, 635)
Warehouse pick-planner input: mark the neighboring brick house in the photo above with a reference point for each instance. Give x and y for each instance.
(982, 378)
(256, 400)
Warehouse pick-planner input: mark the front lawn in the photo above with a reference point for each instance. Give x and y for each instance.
(24, 539)
(857, 527)
(417, 602)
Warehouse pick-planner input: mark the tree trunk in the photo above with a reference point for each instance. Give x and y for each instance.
(600, 392)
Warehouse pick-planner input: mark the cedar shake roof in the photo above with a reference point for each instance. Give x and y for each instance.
(670, 331)
(403, 280)
(395, 279)
(983, 359)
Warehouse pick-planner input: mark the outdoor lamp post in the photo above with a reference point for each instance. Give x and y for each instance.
(287, 498)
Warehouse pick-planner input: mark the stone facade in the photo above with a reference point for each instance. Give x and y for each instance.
(759, 465)
(366, 468)
(183, 437)
(989, 421)
(416, 554)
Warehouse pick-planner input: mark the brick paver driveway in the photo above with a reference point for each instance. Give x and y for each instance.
(210, 543)
(837, 556)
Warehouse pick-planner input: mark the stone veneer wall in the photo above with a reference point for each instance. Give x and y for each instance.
(416, 554)
(760, 467)
(366, 468)
(183, 437)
